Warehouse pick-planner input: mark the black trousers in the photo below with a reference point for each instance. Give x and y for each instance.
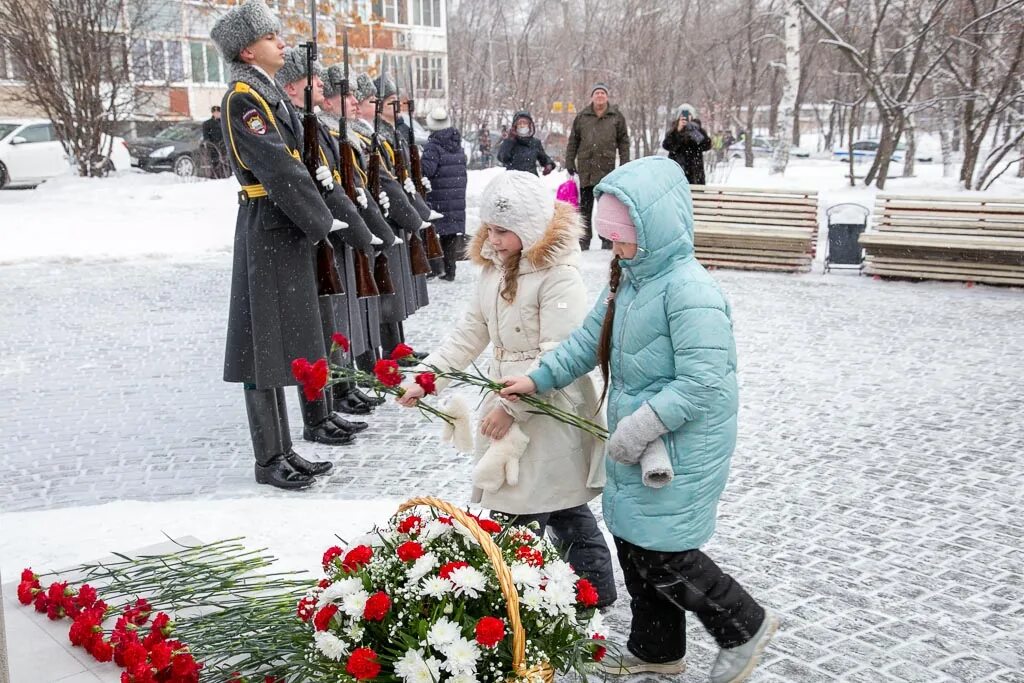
(576, 535)
(664, 586)
(586, 213)
(451, 245)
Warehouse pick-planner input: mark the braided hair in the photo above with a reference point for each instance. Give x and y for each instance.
(604, 344)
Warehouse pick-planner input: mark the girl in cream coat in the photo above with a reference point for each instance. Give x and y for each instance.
(530, 296)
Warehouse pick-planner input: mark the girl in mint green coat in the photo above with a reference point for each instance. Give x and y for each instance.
(662, 336)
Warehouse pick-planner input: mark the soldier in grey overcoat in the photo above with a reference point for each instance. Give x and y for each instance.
(342, 311)
(274, 316)
(403, 218)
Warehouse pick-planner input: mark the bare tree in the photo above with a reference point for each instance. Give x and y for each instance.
(77, 66)
(791, 85)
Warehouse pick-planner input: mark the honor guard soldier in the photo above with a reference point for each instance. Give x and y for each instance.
(351, 249)
(274, 315)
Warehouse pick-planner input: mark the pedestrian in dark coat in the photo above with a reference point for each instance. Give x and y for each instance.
(521, 151)
(274, 315)
(598, 133)
(444, 163)
(686, 143)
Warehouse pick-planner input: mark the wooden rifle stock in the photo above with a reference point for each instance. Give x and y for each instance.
(417, 253)
(434, 250)
(381, 271)
(365, 286)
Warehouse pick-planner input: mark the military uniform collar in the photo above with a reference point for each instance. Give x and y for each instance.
(259, 80)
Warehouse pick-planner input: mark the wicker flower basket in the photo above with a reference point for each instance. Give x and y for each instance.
(536, 674)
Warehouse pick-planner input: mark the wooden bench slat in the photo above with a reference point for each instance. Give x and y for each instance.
(942, 241)
(938, 275)
(950, 266)
(934, 199)
(761, 219)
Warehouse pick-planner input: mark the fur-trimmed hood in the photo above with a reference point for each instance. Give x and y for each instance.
(558, 244)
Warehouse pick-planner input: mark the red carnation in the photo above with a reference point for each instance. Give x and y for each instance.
(401, 351)
(427, 380)
(160, 655)
(341, 341)
(445, 520)
(323, 583)
(586, 593)
(86, 596)
(134, 654)
(306, 608)
(377, 606)
(490, 631)
(312, 377)
(28, 575)
(599, 651)
(329, 555)
(530, 556)
(100, 649)
(363, 664)
(410, 524)
(322, 620)
(357, 557)
(185, 669)
(387, 373)
(489, 525)
(27, 591)
(55, 593)
(409, 551)
(447, 569)
(41, 603)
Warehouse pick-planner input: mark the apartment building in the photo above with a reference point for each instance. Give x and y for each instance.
(179, 74)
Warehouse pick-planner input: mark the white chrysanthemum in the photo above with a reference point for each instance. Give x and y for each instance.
(422, 566)
(443, 632)
(339, 589)
(435, 529)
(596, 625)
(469, 581)
(533, 599)
(464, 532)
(413, 668)
(461, 656)
(354, 632)
(560, 571)
(436, 587)
(525, 575)
(464, 677)
(330, 645)
(354, 604)
(558, 596)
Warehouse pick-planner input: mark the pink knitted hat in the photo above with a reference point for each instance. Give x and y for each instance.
(612, 221)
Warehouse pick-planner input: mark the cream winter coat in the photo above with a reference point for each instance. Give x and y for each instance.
(560, 466)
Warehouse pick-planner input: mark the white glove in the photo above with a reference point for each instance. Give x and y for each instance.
(385, 203)
(361, 198)
(398, 240)
(434, 215)
(338, 225)
(426, 184)
(323, 174)
(424, 226)
(374, 241)
(409, 186)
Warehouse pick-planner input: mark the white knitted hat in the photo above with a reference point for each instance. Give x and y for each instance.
(520, 202)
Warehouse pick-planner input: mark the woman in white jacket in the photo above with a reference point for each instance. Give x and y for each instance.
(530, 296)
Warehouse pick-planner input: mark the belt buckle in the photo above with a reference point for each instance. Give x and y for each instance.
(243, 198)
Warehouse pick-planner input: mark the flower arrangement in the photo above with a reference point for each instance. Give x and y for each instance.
(433, 598)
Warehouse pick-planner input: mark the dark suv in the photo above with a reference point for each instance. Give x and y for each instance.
(172, 149)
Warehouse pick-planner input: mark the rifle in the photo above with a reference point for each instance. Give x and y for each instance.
(365, 284)
(381, 273)
(328, 281)
(434, 250)
(417, 254)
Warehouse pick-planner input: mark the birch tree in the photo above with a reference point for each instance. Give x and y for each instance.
(791, 85)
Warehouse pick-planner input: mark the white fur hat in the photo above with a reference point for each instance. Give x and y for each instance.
(520, 202)
(438, 119)
(241, 26)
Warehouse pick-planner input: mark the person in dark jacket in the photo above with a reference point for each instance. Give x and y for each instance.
(444, 163)
(521, 151)
(686, 143)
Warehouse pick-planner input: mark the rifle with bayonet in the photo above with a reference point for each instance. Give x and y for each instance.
(417, 253)
(328, 281)
(381, 273)
(434, 250)
(366, 286)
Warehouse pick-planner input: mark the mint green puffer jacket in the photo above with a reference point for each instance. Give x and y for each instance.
(672, 347)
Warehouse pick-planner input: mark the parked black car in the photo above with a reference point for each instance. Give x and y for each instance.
(173, 149)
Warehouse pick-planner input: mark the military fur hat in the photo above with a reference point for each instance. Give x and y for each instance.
(241, 26)
(333, 78)
(294, 68)
(389, 88)
(365, 89)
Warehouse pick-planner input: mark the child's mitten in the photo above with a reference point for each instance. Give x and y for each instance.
(632, 435)
(500, 462)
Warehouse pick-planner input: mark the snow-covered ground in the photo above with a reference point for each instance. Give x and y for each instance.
(135, 214)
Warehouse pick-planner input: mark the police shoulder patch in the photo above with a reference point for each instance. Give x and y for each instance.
(254, 122)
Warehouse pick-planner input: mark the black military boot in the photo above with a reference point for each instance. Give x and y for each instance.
(313, 468)
(265, 429)
(344, 400)
(374, 401)
(317, 425)
(349, 426)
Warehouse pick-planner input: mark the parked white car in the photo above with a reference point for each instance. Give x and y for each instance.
(30, 153)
